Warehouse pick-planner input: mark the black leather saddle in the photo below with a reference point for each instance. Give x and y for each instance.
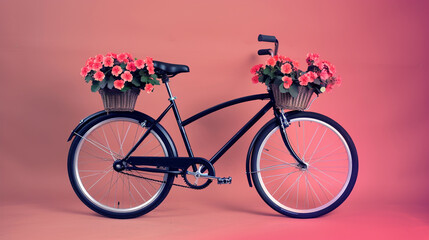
(169, 68)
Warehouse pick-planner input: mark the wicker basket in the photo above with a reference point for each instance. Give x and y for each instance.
(115, 100)
(286, 101)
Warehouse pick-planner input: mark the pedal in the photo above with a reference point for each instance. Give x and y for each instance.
(224, 180)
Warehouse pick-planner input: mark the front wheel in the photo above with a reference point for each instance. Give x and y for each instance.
(118, 194)
(304, 192)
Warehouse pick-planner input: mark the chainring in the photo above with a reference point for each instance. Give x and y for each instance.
(196, 180)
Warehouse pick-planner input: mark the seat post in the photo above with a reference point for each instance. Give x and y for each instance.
(179, 120)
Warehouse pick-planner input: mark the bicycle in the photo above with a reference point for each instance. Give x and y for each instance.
(123, 164)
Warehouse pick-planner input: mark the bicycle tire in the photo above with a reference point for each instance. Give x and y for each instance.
(90, 165)
(331, 172)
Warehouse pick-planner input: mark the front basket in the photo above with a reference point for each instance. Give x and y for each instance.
(115, 100)
(286, 101)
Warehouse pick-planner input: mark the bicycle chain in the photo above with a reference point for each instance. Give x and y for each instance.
(154, 180)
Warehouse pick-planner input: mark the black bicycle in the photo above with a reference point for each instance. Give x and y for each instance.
(123, 164)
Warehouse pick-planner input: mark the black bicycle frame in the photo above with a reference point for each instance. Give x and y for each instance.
(181, 124)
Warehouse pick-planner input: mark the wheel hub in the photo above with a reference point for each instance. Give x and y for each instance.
(119, 165)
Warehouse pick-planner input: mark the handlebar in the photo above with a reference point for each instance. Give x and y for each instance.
(267, 51)
(267, 38)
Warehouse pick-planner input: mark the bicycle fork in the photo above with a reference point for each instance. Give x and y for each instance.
(284, 123)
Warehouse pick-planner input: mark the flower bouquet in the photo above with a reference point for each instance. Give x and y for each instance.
(118, 78)
(292, 88)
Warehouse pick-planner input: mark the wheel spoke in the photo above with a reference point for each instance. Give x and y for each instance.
(317, 145)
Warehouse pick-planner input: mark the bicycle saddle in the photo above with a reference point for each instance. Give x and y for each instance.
(169, 68)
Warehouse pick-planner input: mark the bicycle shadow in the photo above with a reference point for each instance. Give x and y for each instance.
(243, 209)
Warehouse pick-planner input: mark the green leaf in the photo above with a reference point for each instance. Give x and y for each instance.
(141, 72)
(261, 78)
(110, 82)
(278, 82)
(268, 81)
(125, 88)
(103, 83)
(282, 89)
(135, 82)
(144, 79)
(154, 76)
(266, 71)
(154, 82)
(95, 86)
(123, 65)
(293, 90)
(88, 78)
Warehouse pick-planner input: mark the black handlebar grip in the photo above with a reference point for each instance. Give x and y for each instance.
(265, 51)
(266, 38)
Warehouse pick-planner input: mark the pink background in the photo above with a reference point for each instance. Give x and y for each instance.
(380, 49)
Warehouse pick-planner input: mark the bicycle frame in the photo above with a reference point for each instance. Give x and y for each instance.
(282, 121)
(181, 124)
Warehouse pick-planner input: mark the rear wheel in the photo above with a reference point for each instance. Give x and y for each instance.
(296, 191)
(90, 165)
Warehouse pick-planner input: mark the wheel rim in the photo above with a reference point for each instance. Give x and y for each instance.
(107, 189)
(309, 190)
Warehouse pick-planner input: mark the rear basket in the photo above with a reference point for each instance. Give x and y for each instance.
(115, 100)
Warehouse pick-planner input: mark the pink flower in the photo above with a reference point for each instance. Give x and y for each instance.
(282, 58)
(96, 66)
(89, 62)
(295, 64)
(328, 66)
(311, 58)
(276, 58)
(129, 56)
(149, 61)
(113, 55)
(286, 68)
(287, 82)
(84, 71)
(108, 61)
(99, 76)
(255, 68)
(131, 66)
(148, 88)
(139, 63)
(127, 76)
(119, 84)
(329, 87)
(319, 64)
(312, 75)
(122, 57)
(271, 61)
(255, 79)
(285, 59)
(116, 70)
(151, 69)
(99, 58)
(305, 79)
(324, 74)
(331, 68)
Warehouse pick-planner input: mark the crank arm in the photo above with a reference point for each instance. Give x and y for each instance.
(220, 180)
(202, 175)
